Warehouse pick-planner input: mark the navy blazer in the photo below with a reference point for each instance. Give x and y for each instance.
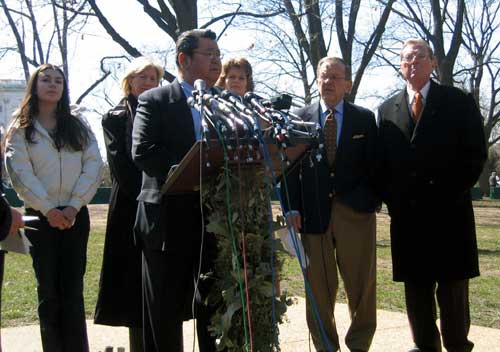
(163, 133)
(311, 186)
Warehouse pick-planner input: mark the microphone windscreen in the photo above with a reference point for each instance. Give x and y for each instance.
(200, 85)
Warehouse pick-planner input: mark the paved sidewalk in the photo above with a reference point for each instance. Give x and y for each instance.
(393, 334)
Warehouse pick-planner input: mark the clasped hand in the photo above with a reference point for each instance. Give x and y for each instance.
(62, 219)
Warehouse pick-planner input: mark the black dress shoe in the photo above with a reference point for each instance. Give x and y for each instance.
(415, 350)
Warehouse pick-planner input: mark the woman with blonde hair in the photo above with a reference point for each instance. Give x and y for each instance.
(236, 76)
(54, 164)
(119, 302)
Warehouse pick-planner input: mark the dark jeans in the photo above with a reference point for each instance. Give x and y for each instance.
(453, 299)
(59, 260)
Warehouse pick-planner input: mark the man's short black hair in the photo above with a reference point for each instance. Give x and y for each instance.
(188, 41)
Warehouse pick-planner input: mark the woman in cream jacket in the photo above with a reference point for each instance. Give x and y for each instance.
(54, 164)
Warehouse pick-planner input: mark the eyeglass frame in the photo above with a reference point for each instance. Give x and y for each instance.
(417, 56)
(332, 78)
(211, 55)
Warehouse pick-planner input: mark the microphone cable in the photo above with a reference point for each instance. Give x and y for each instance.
(292, 232)
(243, 245)
(231, 230)
(233, 238)
(202, 215)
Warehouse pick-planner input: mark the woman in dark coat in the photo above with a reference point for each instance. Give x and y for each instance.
(119, 302)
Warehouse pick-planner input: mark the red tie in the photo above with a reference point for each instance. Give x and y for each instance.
(330, 133)
(417, 107)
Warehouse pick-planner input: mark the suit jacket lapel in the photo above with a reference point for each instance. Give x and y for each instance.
(347, 127)
(402, 114)
(313, 114)
(433, 97)
(433, 100)
(183, 111)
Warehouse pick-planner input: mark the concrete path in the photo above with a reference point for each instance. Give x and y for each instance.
(393, 334)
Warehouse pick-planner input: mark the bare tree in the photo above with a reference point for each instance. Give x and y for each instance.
(35, 41)
(464, 36)
(482, 76)
(316, 24)
(440, 22)
(347, 39)
(177, 16)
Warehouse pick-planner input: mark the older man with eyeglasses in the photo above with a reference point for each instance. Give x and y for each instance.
(428, 132)
(332, 203)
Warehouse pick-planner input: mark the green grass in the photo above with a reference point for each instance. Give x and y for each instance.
(484, 290)
(19, 297)
(19, 300)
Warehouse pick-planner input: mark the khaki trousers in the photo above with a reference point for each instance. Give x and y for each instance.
(349, 244)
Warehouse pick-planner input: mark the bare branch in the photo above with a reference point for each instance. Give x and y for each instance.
(112, 32)
(106, 73)
(19, 41)
(168, 25)
(242, 13)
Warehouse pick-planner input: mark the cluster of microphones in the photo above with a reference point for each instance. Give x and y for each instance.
(244, 118)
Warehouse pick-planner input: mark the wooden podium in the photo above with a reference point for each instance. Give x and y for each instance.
(239, 221)
(186, 177)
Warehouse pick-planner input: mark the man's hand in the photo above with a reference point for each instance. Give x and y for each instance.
(57, 219)
(17, 221)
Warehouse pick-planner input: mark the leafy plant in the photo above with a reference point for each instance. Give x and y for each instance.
(246, 269)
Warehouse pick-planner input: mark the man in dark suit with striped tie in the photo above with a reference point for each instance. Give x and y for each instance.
(332, 203)
(428, 132)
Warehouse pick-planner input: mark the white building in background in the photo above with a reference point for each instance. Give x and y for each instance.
(11, 94)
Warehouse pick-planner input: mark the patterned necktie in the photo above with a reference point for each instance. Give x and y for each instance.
(330, 133)
(417, 107)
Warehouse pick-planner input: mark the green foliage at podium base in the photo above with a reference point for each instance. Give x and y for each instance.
(247, 203)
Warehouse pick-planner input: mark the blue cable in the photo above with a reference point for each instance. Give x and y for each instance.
(267, 159)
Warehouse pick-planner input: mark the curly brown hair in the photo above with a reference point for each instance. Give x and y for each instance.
(240, 63)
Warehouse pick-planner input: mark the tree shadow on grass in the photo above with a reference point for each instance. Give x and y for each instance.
(489, 252)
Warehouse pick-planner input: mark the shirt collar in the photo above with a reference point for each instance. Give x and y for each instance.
(424, 91)
(186, 87)
(338, 108)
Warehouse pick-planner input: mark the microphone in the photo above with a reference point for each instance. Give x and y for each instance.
(225, 109)
(200, 85)
(236, 101)
(199, 89)
(212, 102)
(192, 102)
(281, 102)
(246, 114)
(221, 111)
(260, 104)
(256, 101)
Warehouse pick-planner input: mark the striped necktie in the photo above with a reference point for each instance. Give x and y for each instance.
(330, 133)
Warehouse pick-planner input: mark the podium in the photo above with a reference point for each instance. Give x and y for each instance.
(186, 177)
(243, 292)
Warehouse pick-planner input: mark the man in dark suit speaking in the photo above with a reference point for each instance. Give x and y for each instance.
(332, 204)
(170, 228)
(427, 133)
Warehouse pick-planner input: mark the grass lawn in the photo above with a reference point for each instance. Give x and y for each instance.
(484, 290)
(19, 300)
